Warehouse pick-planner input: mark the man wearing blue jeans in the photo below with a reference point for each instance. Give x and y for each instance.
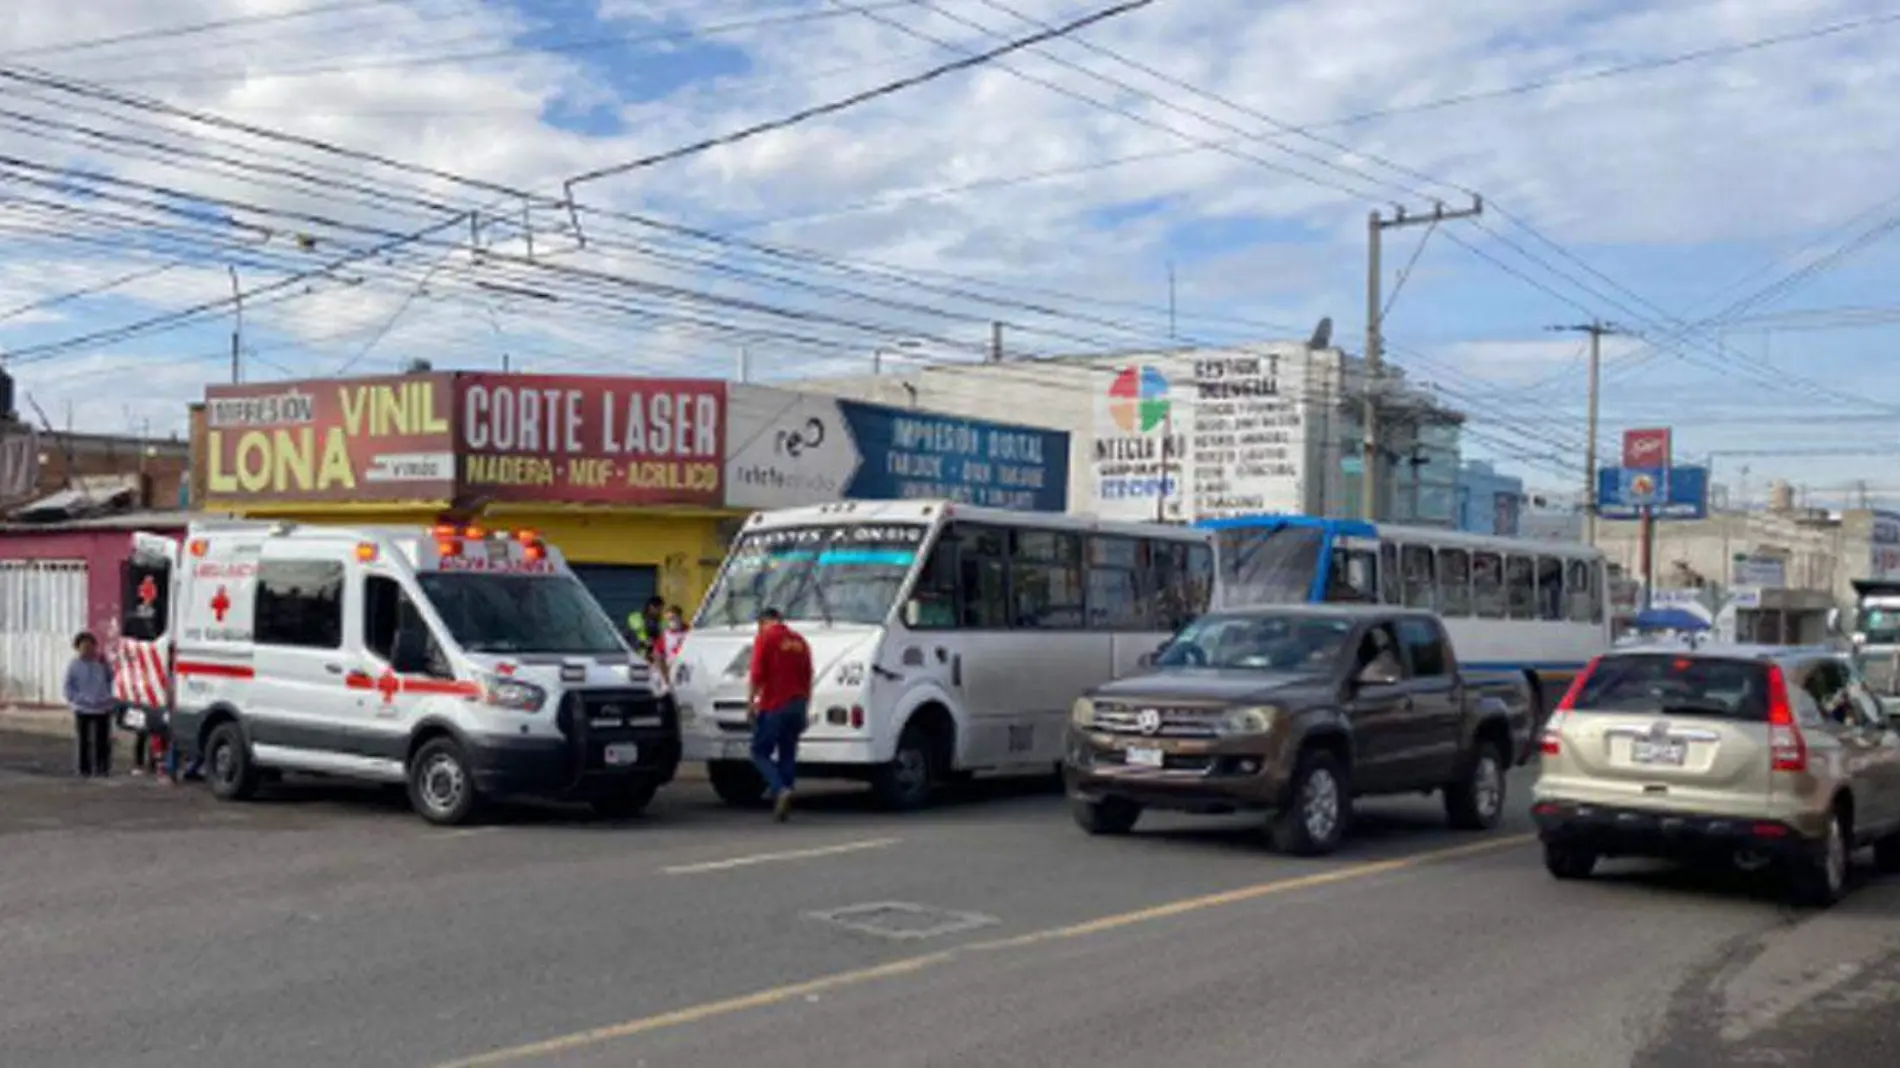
(781, 700)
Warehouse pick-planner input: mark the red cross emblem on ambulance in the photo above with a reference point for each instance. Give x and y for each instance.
(148, 591)
(220, 604)
(388, 685)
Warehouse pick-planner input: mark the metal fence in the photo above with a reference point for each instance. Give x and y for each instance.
(43, 604)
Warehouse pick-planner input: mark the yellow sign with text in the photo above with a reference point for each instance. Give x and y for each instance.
(384, 438)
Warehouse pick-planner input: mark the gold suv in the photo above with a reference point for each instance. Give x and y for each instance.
(1754, 756)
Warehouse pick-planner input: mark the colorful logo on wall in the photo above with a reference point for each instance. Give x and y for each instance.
(1138, 400)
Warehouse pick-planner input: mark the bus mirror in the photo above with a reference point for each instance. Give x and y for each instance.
(1833, 621)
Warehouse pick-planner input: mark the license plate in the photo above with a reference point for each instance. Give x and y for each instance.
(134, 719)
(1670, 753)
(1146, 758)
(621, 754)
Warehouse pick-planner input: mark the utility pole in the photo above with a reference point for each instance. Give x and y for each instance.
(1376, 226)
(1596, 330)
(996, 342)
(237, 324)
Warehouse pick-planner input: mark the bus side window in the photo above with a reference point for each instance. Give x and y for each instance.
(933, 600)
(1487, 585)
(1169, 584)
(982, 577)
(1045, 580)
(1200, 575)
(1420, 584)
(1454, 582)
(147, 600)
(1114, 593)
(1550, 588)
(1520, 586)
(1389, 579)
(1577, 591)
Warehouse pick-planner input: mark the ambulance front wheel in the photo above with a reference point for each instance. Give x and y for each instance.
(441, 787)
(228, 767)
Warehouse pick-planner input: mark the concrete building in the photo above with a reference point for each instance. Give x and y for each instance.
(1489, 502)
(1200, 433)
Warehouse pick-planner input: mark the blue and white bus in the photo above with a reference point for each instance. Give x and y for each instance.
(1517, 605)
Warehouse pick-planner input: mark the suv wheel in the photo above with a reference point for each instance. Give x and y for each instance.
(1820, 879)
(1318, 807)
(1477, 802)
(1110, 815)
(227, 764)
(1569, 861)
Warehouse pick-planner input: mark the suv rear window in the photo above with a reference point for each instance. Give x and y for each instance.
(1678, 685)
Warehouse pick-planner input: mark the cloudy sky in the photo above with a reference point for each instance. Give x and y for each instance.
(1717, 178)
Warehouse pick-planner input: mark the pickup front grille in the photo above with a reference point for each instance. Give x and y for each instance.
(1158, 720)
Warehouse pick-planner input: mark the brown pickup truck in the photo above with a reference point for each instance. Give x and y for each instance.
(1295, 711)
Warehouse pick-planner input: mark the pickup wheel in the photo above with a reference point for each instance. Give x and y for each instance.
(1110, 815)
(1319, 804)
(1476, 802)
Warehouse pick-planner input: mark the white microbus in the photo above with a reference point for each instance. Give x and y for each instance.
(946, 639)
(1516, 606)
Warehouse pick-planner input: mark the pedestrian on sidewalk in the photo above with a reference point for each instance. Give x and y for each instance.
(89, 694)
(781, 699)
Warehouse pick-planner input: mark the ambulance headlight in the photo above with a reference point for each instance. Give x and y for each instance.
(502, 692)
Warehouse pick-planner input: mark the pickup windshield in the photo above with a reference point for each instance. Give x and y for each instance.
(1248, 641)
(487, 613)
(1678, 685)
(831, 574)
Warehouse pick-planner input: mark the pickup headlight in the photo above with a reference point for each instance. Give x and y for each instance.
(504, 692)
(1244, 721)
(851, 676)
(1082, 713)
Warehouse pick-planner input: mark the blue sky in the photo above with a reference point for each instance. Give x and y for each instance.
(1668, 200)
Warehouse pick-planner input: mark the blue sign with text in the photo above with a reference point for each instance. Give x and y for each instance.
(1668, 493)
(908, 455)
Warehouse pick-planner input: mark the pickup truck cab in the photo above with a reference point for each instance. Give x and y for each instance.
(1295, 711)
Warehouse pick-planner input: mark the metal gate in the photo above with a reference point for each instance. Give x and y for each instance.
(42, 606)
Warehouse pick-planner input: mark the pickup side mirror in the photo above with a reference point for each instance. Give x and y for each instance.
(1378, 673)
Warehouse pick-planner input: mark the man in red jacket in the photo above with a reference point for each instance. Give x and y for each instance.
(781, 699)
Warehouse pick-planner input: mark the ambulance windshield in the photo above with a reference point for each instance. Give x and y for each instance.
(489, 613)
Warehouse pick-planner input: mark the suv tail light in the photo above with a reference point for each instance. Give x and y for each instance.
(1552, 742)
(1787, 749)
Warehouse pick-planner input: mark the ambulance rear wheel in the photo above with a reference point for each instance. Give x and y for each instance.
(228, 767)
(441, 787)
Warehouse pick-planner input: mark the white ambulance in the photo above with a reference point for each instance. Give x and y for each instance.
(462, 663)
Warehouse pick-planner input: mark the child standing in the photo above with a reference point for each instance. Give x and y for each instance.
(89, 693)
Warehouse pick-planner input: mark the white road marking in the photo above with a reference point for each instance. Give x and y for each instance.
(770, 858)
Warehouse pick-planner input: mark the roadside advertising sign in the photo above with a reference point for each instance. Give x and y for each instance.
(362, 439)
(579, 439)
(1647, 449)
(1669, 493)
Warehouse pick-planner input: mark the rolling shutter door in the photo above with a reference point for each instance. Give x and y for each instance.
(621, 589)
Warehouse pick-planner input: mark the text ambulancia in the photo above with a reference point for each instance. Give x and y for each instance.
(464, 664)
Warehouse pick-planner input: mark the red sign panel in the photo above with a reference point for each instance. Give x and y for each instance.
(584, 440)
(1648, 448)
(385, 438)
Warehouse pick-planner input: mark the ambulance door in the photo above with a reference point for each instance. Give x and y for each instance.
(300, 709)
(142, 679)
(401, 666)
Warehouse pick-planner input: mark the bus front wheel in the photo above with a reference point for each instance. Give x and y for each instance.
(737, 783)
(907, 782)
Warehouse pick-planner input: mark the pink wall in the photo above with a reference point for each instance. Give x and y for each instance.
(102, 550)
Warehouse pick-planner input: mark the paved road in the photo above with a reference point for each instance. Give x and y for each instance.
(147, 926)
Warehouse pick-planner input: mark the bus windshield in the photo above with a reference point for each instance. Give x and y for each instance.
(489, 613)
(1881, 626)
(829, 574)
(1268, 564)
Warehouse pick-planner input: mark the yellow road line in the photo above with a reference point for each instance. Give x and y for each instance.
(910, 965)
(790, 854)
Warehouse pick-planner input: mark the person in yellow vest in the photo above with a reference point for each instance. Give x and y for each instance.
(643, 627)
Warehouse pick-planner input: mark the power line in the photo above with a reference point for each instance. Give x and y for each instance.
(190, 30)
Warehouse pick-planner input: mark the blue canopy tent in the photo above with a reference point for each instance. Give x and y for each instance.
(1669, 619)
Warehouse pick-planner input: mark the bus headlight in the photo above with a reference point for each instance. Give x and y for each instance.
(1238, 722)
(1082, 713)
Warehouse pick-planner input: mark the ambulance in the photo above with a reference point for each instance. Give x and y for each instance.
(463, 664)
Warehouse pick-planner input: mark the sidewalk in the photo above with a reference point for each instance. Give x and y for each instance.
(29, 720)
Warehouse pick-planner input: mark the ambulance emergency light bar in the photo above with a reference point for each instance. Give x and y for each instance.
(450, 540)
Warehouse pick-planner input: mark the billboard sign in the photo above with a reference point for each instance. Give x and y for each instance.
(1138, 450)
(907, 454)
(582, 439)
(1647, 449)
(363, 439)
(1247, 446)
(1669, 493)
(785, 449)
(1883, 546)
